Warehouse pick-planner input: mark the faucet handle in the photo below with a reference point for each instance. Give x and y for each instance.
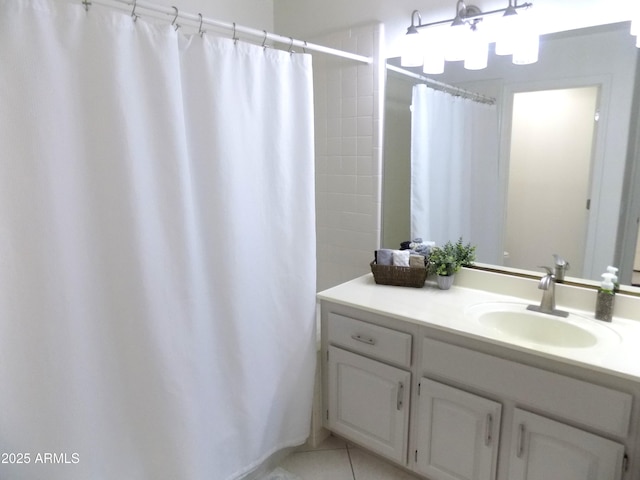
(560, 262)
(548, 269)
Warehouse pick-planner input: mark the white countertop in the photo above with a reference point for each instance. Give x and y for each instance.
(445, 310)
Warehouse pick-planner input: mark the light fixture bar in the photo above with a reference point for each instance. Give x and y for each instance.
(473, 14)
(467, 38)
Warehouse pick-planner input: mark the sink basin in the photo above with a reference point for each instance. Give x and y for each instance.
(514, 321)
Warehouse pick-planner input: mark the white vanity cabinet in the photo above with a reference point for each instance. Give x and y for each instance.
(458, 433)
(449, 407)
(540, 448)
(367, 397)
(544, 449)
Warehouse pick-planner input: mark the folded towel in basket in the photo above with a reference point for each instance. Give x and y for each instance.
(416, 261)
(401, 258)
(384, 256)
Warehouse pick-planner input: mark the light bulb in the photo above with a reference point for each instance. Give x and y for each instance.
(477, 50)
(507, 29)
(456, 43)
(526, 50)
(433, 61)
(412, 49)
(477, 56)
(435, 39)
(525, 42)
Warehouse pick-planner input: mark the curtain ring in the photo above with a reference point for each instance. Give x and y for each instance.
(304, 49)
(175, 25)
(200, 30)
(264, 40)
(87, 4)
(291, 46)
(134, 15)
(234, 37)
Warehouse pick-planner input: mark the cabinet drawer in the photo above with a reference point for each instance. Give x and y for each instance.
(375, 341)
(589, 404)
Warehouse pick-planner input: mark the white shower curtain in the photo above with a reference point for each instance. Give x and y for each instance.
(454, 172)
(157, 248)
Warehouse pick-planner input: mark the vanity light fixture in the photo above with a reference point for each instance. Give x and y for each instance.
(467, 36)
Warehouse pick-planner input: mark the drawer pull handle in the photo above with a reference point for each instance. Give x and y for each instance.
(520, 451)
(488, 429)
(400, 396)
(367, 340)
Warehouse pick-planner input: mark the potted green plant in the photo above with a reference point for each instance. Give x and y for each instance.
(448, 259)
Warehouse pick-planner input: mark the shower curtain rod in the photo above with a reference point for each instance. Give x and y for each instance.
(199, 21)
(476, 97)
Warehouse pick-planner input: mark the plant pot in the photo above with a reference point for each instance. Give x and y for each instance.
(445, 281)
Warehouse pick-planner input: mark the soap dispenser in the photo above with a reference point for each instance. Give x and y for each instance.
(605, 298)
(614, 279)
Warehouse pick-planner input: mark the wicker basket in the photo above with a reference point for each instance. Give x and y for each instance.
(399, 276)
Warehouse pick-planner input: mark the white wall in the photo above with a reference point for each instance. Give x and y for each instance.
(251, 13)
(348, 100)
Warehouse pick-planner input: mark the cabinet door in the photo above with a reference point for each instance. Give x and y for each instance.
(458, 433)
(543, 449)
(369, 403)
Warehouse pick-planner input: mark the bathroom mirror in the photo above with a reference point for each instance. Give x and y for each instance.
(604, 56)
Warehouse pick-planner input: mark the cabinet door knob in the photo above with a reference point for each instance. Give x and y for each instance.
(488, 425)
(367, 340)
(520, 451)
(400, 396)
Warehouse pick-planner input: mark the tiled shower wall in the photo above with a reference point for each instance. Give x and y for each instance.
(349, 97)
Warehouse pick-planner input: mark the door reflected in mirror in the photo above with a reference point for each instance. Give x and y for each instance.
(550, 160)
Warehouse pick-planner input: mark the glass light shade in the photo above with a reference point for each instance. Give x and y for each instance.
(477, 55)
(433, 61)
(507, 30)
(412, 50)
(526, 49)
(456, 43)
(434, 41)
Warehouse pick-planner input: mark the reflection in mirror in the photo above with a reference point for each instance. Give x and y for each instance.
(598, 59)
(549, 176)
(454, 168)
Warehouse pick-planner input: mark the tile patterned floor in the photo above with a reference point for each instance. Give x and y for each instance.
(335, 459)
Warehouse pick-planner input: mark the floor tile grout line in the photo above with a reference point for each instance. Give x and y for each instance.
(350, 462)
(320, 450)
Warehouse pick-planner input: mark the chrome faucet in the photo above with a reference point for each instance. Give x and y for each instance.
(548, 304)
